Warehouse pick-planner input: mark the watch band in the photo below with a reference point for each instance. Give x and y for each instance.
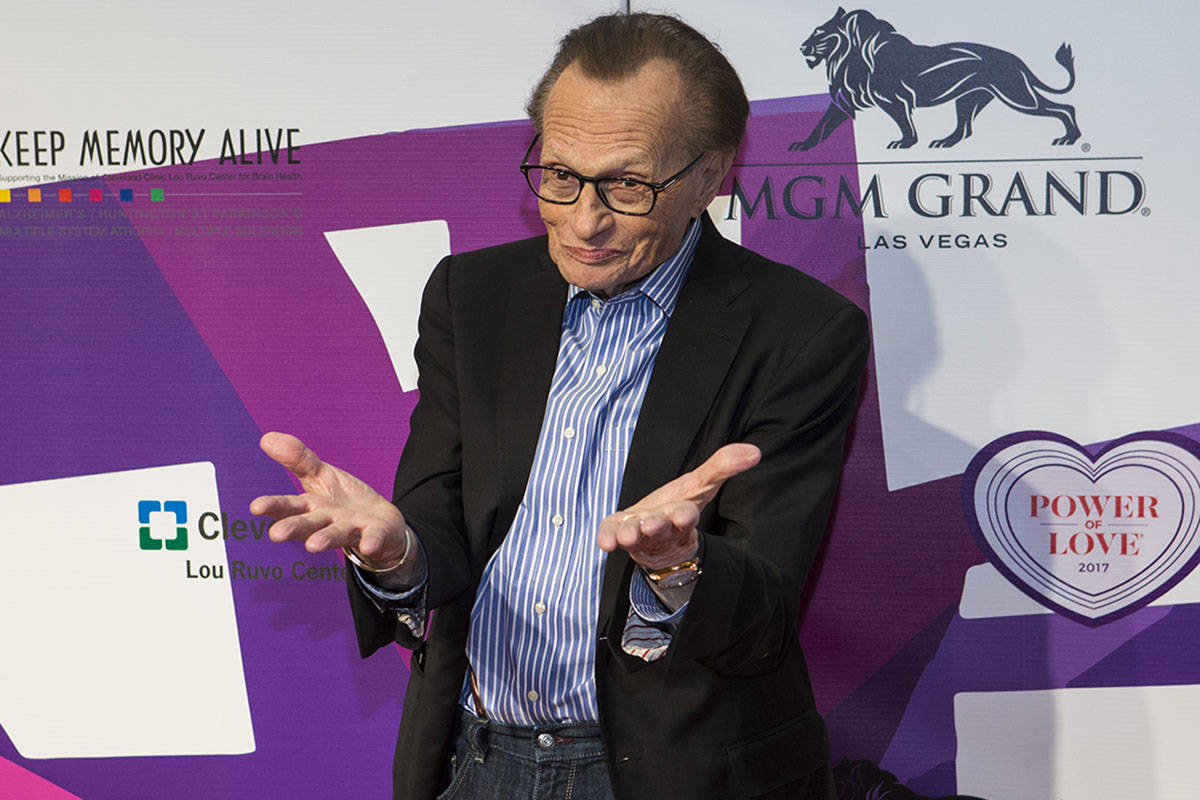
(677, 575)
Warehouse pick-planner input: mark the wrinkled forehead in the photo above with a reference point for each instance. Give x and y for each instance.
(640, 116)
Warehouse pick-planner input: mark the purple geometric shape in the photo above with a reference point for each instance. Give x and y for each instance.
(1020, 653)
(1164, 654)
(90, 349)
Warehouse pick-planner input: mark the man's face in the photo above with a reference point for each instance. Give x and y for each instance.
(625, 128)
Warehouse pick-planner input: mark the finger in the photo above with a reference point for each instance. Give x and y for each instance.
(385, 546)
(333, 535)
(702, 484)
(629, 530)
(607, 535)
(653, 523)
(728, 461)
(298, 526)
(279, 505)
(665, 529)
(370, 543)
(681, 516)
(291, 453)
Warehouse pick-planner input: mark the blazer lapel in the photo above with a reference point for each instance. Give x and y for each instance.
(529, 352)
(701, 341)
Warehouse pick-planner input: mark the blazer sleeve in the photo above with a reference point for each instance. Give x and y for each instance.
(428, 485)
(766, 525)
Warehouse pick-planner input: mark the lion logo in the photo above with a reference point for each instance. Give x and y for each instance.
(869, 64)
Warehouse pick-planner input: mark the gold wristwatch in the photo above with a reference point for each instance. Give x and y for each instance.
(673, 577)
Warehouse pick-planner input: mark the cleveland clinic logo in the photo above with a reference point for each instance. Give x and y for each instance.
(871, 66)
(172, 534)
(1092, 537)
(150, 535)
(164, 525)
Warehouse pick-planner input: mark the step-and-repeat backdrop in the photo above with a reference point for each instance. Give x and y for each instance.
(216, 221)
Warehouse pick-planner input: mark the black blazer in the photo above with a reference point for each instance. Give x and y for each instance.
(755, 352)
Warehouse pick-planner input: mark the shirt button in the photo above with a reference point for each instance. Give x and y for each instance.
(596, 303)
(569, 432)
(539, 607)
(532, 695)
(545, 740)
(557, 520)
(601, 369)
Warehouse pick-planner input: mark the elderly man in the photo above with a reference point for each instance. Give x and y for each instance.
(626, 447)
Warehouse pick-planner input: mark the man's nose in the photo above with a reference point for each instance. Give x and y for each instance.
(589, 215)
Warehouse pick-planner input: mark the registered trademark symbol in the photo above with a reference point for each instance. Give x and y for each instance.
(1085, 147)
(1145, 212)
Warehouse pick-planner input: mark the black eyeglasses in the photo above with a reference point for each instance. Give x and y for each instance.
(562, 186)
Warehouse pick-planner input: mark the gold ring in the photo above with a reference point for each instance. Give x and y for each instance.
(628, 516)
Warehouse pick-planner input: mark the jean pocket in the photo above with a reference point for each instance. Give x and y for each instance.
(463, 757)
(460, 767)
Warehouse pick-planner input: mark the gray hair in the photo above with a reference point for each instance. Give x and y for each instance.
(616, 46)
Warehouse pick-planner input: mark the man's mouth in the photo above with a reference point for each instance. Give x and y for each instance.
(589, 255)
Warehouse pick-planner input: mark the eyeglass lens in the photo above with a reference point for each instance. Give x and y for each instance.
(560, 186)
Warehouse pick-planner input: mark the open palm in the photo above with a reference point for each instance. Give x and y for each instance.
(335, 510)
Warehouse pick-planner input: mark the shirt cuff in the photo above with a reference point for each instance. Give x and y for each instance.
(408, 606)
(643, 640)
(646, 604)
(385, 599)
(649, 626)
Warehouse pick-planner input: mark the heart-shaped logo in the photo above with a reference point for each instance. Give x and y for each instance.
(1091, 537)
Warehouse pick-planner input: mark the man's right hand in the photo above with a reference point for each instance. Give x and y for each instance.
(336, 509)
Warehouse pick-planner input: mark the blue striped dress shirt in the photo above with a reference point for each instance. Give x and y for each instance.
(533, 628)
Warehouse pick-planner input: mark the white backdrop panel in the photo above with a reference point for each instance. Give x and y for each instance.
(334, 70)
(1081, 324)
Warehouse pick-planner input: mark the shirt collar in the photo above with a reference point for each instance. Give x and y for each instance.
(662, 285)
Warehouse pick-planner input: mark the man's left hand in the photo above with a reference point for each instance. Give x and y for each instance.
(659, 530)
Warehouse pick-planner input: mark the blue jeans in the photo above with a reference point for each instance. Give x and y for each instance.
(550, 762)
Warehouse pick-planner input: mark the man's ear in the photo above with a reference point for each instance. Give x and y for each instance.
(713, 170)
